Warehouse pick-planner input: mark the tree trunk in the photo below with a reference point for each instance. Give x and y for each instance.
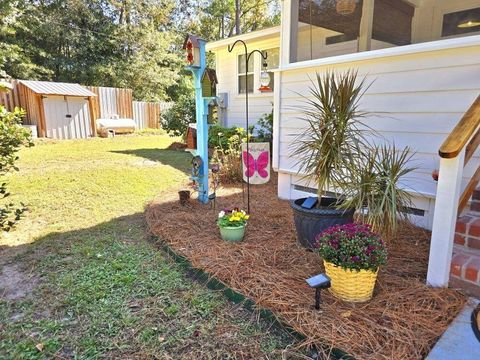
(238, 31)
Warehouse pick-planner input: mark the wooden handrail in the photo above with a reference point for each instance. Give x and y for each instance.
(460, 135)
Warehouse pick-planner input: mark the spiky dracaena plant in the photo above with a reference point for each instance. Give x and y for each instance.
(374, 186)
(334, 132)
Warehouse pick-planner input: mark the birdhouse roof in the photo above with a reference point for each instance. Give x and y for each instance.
(193, 39)
(211, 74)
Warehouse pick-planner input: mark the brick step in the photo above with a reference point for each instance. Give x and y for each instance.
(474, 203)
(465, 270)
(467, 231)
(476, 195)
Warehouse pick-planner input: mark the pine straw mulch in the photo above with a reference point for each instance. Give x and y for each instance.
(402, 321)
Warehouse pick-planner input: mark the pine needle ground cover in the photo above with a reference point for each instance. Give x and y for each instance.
(79, 277)
(402, 321)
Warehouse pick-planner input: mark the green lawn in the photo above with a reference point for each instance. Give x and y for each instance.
(80, 278)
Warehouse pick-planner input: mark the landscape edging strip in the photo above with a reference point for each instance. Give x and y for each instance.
(213, 283)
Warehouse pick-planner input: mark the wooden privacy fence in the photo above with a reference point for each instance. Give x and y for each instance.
(112, 101)
(11, 99)
(146, 114)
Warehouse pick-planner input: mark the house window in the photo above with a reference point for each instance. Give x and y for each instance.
(461, 22)
(273, 61)
(244, 73)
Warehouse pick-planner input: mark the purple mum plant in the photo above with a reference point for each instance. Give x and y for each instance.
(352, 246)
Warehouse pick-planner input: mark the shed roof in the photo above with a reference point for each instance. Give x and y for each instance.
(57, 88)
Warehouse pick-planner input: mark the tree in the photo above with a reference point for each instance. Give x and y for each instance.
(119, 43)
(225, 18)
(16, 54)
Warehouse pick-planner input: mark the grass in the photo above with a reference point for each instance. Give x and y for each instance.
(101, 289)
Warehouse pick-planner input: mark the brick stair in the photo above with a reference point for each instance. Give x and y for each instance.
(465, 267)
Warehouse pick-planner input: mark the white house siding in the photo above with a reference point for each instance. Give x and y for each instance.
(421, 96)
(261, 103)
(226, 67)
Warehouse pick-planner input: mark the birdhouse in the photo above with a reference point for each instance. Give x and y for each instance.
(192, 50)
(191, 137)
(209, 83)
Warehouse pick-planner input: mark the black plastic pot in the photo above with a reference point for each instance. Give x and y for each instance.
(311, 222)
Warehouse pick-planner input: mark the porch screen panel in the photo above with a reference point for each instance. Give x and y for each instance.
(392, 22)
(321, 29)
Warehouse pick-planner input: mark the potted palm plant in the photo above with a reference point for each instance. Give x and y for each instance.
(352, 255)
(331, 142)
(351, 174)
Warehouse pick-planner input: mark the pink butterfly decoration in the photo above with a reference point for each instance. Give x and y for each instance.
(259, 165)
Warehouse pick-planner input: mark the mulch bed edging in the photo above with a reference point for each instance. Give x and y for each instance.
(213, 283)
(403, 320)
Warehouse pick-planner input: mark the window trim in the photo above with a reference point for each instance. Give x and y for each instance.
(238, 74)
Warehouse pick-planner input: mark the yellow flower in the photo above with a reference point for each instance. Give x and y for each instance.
(234, 218)
(247, 217)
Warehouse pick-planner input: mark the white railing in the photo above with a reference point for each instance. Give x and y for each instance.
(455, 153)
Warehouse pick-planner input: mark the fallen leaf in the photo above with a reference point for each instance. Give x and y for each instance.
(161, 339)
(346, 314)
(40, 346)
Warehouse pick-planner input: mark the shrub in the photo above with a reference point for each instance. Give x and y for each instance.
(230, 158)
(12, 138)
(176, 119)
(218, 136)
(264, 128)
(352, 246)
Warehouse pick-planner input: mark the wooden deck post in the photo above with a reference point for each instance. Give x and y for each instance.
(92, 112)
(41, 112)
(288, 33)
(366, 26)
(444, 221)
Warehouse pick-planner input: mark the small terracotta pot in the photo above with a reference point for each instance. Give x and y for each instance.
(184, 196)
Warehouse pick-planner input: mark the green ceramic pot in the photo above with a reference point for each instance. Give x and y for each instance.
(233, 234)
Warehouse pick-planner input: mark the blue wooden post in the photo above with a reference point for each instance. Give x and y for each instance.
(201, 105)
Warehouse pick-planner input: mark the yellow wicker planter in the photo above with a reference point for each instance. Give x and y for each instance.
(351, 285)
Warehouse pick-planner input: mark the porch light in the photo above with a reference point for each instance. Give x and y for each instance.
(346, 7)
(468, 23)
(265, 79)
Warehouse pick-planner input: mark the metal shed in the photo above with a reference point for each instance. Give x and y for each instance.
(59, 110)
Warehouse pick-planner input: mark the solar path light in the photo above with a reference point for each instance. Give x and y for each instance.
(319, 282)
